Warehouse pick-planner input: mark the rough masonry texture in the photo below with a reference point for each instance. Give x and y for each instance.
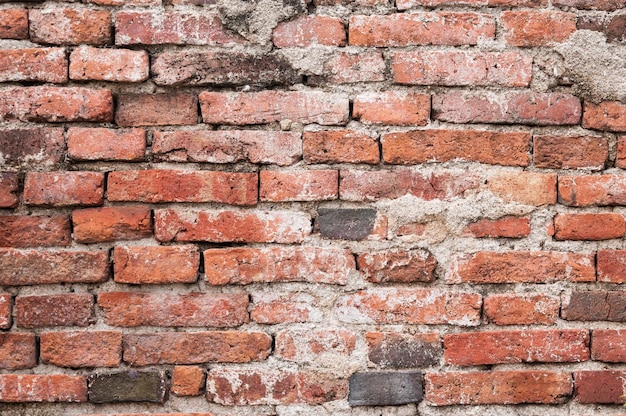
(312, 207)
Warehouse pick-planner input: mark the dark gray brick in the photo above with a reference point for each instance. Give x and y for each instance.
(385, 388)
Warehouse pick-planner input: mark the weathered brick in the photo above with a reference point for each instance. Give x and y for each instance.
(6, 304)
(33, 267)
(117, 65)
(528, 188)
(608, 345)
(130, 386)
(611, 266)
(220, 69)
(407, 4)
(273, 387)
(231, 226)
(506, 347)
(592, 4)
(68, 309)
(620, 158)
(14, 24)
(346, 223)
(523, 309)
(339, 146)
(595, 306)
(127, 309)
(505, 227)
(498, 387)
(70, 26)
(21, 388)
(156, 265)
(420, 146)
(607, 115)
(314, 345)
(352, 67)
(522, 267)
(36, 147)
(367, 3)
(18, 350)
(570, 152)
(241, 108)
(298, 185)
(81, 349)
(33, 64)
(188, 380)
(512, 107)
(307, 30)
(172, 27)
(409, 306)
(55, 104)
(159, 109)
(581, 191)
(228, 146)
(400, 108)
(458, 68)
(245, 265)
(413, 229)
(385, 388)
(396, 350)
(587, 383)
(356, 185)
(397, 266)
(125, 2)
(595, 226)
(34, 231)
(62, 189)
(9, 187)
(96, 225)
(160, 185)
(421, 28)
(613, 27)
(196, 347)
(278, 308)
(536, 28)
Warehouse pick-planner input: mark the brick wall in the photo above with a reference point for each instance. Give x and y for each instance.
(340, 207)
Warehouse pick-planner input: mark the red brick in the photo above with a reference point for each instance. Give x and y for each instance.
(592, 4)
(106, 144)
(231, 226)
(14, 24)
(352, 67)
(117, 65)
(522, 309)
(196, 347)
(608, 115)
(232, 146)
(32, 267)
(156, 186)
(241, 108)
(307, 30)
(6, 304)
(9, 188)
(172, 27)
(159, 264)
(81, 349)
(512, 107)
(298, 185)
(96, 225)
(272, 387)
(536, 28)
(22, 388)
(581, 191)
(602, 386)
(245, 265)
(620, 159)
(611, 266)
(173, 310)
(55, 104)
(396, 350)
(420, 146)
(412, 229)
(32, 148)
(155, 414)
(498, 387)
(188, 380)
(17, 351)
(457, 68)
(367, 3)
(507, 347)
(314, 345)
(68, 309)
(70, 26)
(522, 267)
(278, 308)
(594, 306)
(407, 4)
(357, 185)
(339, 146)
(528, 188)
(159, 109)
(409, 306)
(125, 2)
(596, 226)
(33, 64)
(570, 152)
(421, 28)
(608, 345)
(393, 107)
(398, 266)
(60, 189)
(505, 227)
(34, 231)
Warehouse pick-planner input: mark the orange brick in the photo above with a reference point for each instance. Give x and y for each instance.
(393, 107)
(307, 30)
(525, 309)
(188, 380)
(81, 349)
(277, 308)
(106, 144)
(506, 227)
(581, 191)
(33, 64)
(34, 231)
(608, 116)
(61, 189)
(160, 109)
(117, 65)
(73, 26)
(537, 28)
(611, 266)
(156, 265)
(18, 350)
(95, 225)
(597, 226)
(339, 146)
(528, 188)
(570, 152)
(14, 24)
(314, 345)
(298, 185)
(397, 266)
(22, 388)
